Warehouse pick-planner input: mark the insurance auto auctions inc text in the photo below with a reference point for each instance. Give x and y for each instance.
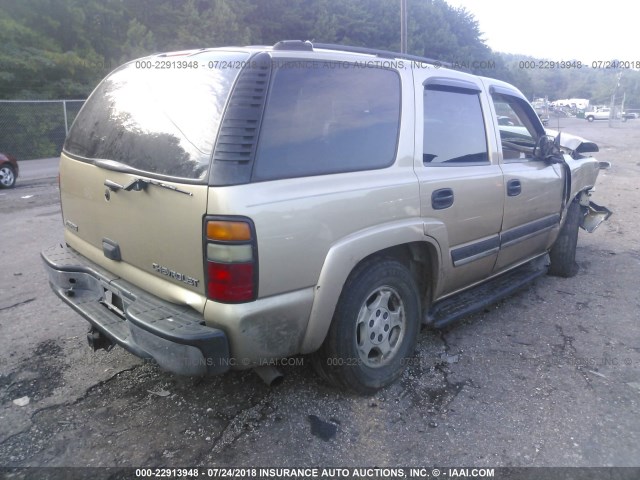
(374, 472)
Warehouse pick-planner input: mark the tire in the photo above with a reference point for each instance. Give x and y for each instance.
(374, 328)
(7, 176)
(563, 251)
(590, 118)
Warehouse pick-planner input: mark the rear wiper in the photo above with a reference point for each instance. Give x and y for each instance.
(167, 186)
(141, 184)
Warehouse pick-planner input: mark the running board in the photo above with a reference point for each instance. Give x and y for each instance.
(470, 301)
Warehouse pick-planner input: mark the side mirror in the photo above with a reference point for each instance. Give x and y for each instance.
(548, 149)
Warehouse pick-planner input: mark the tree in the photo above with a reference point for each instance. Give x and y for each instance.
(62, 48)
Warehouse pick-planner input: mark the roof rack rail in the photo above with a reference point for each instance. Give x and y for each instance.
(380, 53)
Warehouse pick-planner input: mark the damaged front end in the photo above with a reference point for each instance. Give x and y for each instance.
(594, 215)
(578, 148)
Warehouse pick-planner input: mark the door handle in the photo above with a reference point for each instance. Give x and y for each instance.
(514, 187)
(441, 198)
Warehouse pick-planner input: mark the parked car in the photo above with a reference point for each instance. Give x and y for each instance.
(8, 170)
(601, 114)
(262, 202)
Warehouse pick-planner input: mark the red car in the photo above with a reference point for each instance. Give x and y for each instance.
(8, 170)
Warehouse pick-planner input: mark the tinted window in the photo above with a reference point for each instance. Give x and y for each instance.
(325, 118)
(454, 130)
(161, 121)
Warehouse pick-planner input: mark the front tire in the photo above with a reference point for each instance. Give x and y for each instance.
(7, 176)
(374, 328)
(563, 252)
(591, 118)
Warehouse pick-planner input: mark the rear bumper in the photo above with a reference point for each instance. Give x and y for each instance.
(149, 327)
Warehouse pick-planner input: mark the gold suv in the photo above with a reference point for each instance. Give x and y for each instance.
(229, 207)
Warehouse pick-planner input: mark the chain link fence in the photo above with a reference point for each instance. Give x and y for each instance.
(35, 128)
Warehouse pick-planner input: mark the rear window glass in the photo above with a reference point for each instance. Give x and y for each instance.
(324, 117)
(158, 115)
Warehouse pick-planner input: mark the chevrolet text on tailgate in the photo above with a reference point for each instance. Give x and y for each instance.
(254, 203)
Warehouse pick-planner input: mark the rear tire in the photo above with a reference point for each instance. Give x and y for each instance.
(563, 252)
(374, 328)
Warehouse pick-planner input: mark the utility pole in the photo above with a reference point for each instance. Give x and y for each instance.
(612, 108)
(403, 26)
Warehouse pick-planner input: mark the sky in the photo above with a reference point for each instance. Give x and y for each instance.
(559, 29)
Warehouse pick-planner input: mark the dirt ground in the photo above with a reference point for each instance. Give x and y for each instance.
(548, 377)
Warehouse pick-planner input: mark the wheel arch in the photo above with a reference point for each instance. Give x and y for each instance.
(404, 241)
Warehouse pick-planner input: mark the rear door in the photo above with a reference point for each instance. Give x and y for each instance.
(134, 170)
(461, 185)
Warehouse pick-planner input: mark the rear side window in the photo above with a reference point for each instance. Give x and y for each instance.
(324, 118)
(160, 116)
(454, 132)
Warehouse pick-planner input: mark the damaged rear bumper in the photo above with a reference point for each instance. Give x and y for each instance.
(149, 327)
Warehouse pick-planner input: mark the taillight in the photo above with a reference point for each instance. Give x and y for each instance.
(230, 259)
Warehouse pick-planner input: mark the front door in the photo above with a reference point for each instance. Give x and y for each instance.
(533, 187)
